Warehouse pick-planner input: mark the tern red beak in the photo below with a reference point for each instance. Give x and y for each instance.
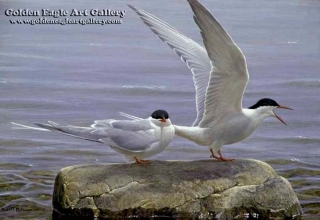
(284, 107)
(163, 120)
(280, 119)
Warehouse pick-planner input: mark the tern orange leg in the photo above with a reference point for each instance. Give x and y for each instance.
(213, 155)
(138, 161)
(223, 158)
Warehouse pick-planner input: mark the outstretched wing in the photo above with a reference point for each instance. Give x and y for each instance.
(229, 75)
(190, 52)
(134, 136)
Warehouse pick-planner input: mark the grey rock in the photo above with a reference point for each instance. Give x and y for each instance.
(204, 189)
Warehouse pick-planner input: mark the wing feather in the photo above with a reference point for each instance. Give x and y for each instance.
(190, 52)
(127, 135)
(87, 133)
(102, 123)
(130, 141)
(130, 116)
(228, 76)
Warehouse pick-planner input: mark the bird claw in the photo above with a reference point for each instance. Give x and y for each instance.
(138, 161)
(221, 158)
(226, 159)
(214, 156)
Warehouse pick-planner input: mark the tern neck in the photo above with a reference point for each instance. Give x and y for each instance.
(257, 114)
(159, 123)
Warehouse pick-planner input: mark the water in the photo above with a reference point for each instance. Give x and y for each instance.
(75, 74)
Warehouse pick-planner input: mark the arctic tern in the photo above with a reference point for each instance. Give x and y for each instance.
(137, 139)
(220, 77)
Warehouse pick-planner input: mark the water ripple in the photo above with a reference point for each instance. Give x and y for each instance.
(305, 180)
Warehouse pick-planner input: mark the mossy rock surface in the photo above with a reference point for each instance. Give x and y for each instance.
(204, 189)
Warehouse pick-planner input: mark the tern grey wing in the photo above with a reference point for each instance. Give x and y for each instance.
(129, 138)
(190, 52)
(133, 141)
(129, 125)
(87, 133)
(132, 125)
(130, 116)
(102, 123)
(229, 75)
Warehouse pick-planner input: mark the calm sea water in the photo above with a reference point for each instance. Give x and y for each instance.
(74, 74)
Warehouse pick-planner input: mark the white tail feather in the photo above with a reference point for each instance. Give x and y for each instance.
(27, 127)
(130, 116)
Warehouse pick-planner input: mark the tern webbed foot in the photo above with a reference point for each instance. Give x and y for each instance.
(213, 155)
(226, 159)
(138, 161)
(223, 158)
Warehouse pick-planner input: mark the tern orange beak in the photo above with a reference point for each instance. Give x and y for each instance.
(280, 119)
(163, 120)
(284, 107)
